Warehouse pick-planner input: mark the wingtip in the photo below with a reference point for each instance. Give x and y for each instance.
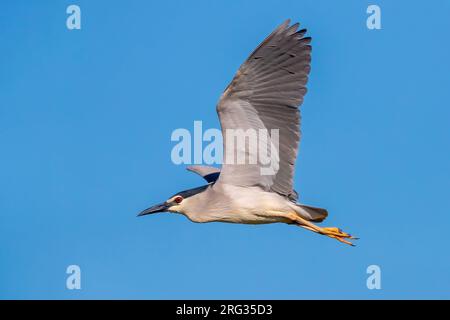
(302, 32)
(296, 25)
(284, 25)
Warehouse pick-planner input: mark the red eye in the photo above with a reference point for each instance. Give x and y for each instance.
(178, 199)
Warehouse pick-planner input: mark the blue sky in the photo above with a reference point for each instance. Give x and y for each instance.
(85, 123)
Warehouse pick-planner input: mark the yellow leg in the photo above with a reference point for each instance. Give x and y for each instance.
(331, 232)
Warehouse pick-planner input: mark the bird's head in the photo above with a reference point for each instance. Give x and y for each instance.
(173, 204)
(178, 203)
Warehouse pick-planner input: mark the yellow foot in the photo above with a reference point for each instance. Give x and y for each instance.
(337, 234)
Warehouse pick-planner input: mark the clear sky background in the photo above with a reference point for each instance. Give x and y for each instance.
(85, 123)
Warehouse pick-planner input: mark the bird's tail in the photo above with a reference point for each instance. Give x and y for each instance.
(312, 213)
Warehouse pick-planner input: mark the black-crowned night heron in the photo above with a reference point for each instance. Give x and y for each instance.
(264, 94)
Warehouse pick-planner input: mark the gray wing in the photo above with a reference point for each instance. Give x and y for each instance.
(210, 174)
(265, 94)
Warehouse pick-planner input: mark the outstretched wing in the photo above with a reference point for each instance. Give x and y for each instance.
(210, 174)
(265, 94)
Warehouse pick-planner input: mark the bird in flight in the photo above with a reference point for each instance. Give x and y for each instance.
(265, 94)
